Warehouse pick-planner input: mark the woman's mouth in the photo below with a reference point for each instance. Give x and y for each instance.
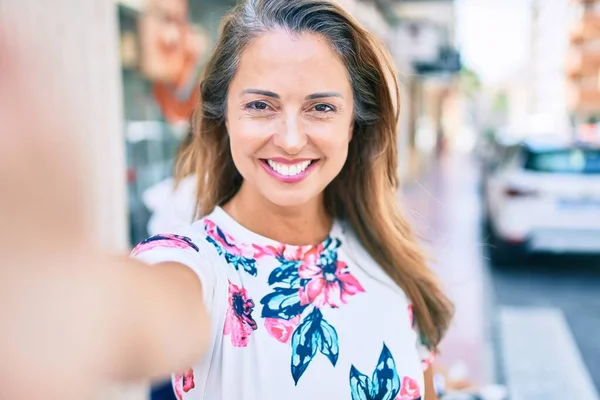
(289, 171)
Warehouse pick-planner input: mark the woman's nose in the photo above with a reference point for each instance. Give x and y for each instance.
(291, 137)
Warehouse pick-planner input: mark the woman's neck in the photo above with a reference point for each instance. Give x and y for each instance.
(301, 225)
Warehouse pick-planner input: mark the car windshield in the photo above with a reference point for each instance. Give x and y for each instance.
(564, 161)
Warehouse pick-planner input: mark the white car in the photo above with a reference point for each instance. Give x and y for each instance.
(544, 197)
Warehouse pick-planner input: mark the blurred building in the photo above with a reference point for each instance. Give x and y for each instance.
(583, 68)
(164, 45)
(538, 91)
(428, 62)
(420, 36)
(549, 47)
(563, 76)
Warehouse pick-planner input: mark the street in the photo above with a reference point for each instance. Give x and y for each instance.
(568, 284)
(533, 327)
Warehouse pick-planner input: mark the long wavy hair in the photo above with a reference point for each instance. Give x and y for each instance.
(365, 191)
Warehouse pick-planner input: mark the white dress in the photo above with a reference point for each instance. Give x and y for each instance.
(293, 322)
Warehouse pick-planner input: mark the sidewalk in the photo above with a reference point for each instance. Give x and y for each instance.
(444, 207)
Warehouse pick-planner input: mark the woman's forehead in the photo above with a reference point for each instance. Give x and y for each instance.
(306, 61)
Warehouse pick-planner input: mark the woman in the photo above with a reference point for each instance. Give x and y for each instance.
(301, 277)
(308, 271)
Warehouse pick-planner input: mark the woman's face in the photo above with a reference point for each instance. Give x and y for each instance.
(289, 116)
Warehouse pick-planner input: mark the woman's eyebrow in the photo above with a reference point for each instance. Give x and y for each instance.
(323, 95)
(274, 95)
(262, 92)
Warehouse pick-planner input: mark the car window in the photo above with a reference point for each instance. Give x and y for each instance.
(579, 161)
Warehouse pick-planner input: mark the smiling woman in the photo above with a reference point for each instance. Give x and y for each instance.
(299, 246)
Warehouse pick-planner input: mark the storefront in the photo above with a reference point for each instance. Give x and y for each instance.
(163, 46)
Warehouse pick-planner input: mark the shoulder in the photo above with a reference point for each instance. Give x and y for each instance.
(190, 246)
(185, 238)
(185, 242)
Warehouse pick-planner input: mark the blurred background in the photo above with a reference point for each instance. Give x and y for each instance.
(499, 154)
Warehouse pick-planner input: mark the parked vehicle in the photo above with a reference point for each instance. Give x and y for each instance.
(544, 196)
(490, 150)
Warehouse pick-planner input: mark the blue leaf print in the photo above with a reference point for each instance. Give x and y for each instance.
(329, 342)
(306, 341)
(215, 244)
(359, 385)
(329, 254)
(224, 237)
(247, 264)
(385, 381)
(287, 273)
(282, 303)
(383, 385)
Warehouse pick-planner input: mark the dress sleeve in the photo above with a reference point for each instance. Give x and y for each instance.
(185, 247)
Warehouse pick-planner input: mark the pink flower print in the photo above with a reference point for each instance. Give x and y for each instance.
(331, 284)
(267, 251)
(183, 383)
(281, 329)
(226, 241)
(312, 257)
(238, 320)
(411, 317)
(409, 389)
(164, 241)
(290, 253)
(306, 254)
(217, 234)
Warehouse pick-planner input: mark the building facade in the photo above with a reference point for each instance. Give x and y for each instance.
(583, 68)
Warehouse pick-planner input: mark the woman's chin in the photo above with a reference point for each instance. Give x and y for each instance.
(290, 198)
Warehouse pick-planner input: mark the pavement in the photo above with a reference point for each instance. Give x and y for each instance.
(534, 327)
(443, 205)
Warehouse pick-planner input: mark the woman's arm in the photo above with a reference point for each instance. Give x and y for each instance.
(72, 324)
(429, 387)
(72, 315)
(163, 326)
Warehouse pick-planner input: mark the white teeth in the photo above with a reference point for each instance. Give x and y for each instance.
(288, 170)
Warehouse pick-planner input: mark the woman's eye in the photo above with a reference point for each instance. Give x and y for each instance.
(257, 105)
(324, 108)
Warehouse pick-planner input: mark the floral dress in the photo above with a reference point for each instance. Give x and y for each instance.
(293, 322)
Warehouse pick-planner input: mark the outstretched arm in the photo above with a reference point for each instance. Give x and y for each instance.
(72, 315)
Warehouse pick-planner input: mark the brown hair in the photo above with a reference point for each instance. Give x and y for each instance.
(365, 191)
